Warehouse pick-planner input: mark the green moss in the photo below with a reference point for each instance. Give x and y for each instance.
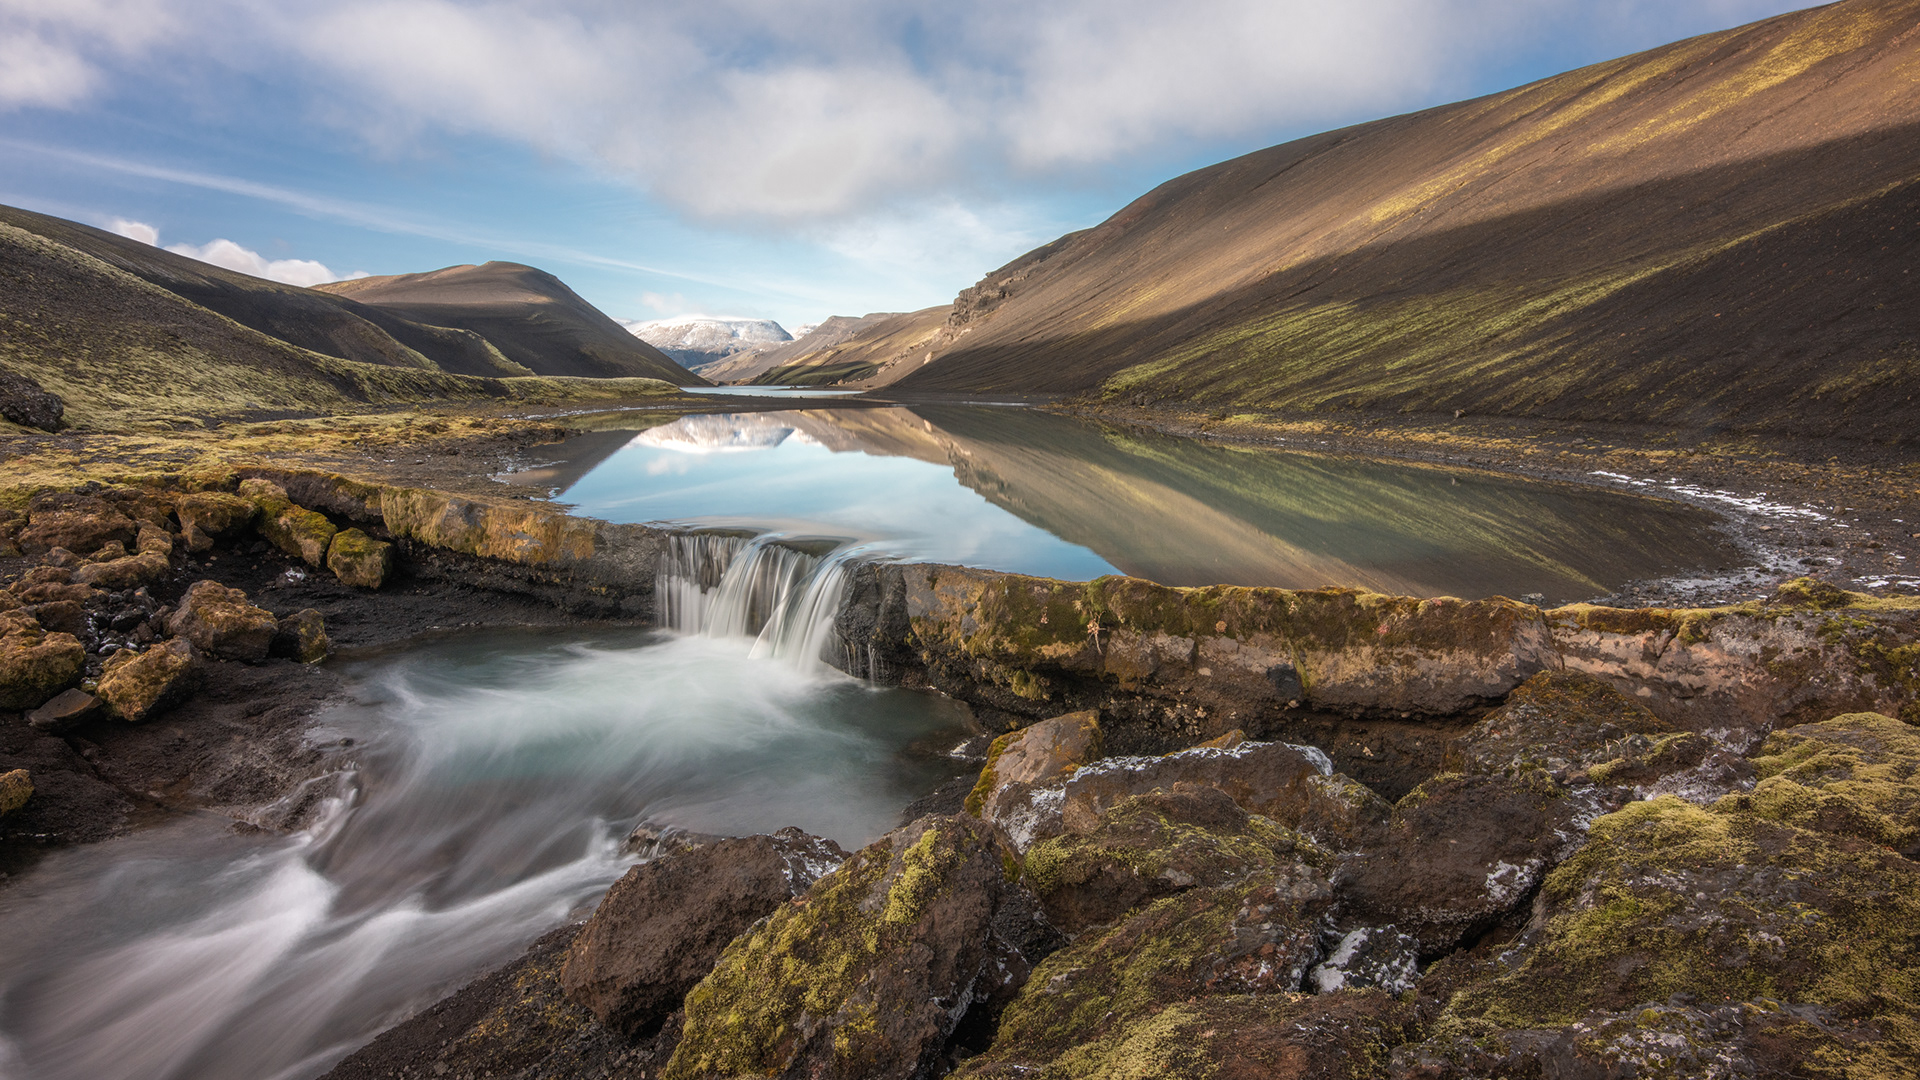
(1854, 775)
(1723, 904)
(977, 798)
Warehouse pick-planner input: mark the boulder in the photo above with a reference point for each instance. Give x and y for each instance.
(868, 974)
(16, 787)
(1460, 853)
(660, 928)
(302, 636)
(1036, 757)
(1158, 844)
(206, 516)
(221, 623)
(64, 616)
(298, 531)
(1368, 958)
(129, 572)
(135, 685)
(359, 560)
(153, 539)
(1672, 902)
(34, 664)
(74, 522)
(1102, 1000)
(66, 709)
(28, 404)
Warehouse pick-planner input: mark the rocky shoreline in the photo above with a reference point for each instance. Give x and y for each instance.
(1226, 832)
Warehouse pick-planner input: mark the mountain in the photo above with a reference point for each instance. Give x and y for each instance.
(874, 348)
(1715, 234)
(126, 333)
(529, 315)
(748, 367)
(696, 341)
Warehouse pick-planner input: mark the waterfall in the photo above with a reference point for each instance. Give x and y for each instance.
(763, 587)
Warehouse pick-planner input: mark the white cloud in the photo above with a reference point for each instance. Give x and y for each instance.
(802, 110)
(231, 256)
(226, 253)
(135, 230)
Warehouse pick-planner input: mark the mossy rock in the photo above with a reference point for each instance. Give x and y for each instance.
(1086, 1004)
(864, 977)
(1038, 754)
(1722, 904)
(298, 531)
(1562, 721)
(215, 513)
(222, 623)
(137, 685)
(1228, 1037)
(74, 522)
(131, 572)
(359, 560)
(1161, 843)
(35, 665)
(1854, 775)
(16, 787)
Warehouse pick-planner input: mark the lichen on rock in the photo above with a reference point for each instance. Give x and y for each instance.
(302, 636)
(16, 787)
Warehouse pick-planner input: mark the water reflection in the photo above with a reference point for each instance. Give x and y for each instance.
(1034, 492)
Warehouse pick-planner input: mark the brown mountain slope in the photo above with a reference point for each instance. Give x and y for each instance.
(1720, 232)
(121, 351)
(528, 314)
(304, 318)
(748, 366)
(877, 352)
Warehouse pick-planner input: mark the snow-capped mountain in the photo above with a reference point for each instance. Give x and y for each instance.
(698, 340)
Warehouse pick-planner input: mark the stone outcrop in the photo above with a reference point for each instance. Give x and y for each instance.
(206, 516)
(865, 976)
(34, 664)
(359, 560)
(223, 624)
(29, 404)
(294, 529)
(662, 926)
(136, 685)
(129, 572)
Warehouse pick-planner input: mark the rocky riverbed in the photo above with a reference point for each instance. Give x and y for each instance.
(1225, 832)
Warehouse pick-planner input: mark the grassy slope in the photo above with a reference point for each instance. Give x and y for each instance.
(1715, 233)
(123, 352)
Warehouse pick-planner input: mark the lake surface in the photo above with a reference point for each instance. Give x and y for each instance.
(490, 784)
(1033, 492)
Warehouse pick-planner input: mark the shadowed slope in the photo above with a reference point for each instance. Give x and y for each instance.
(304, 318)
(875, 351)
(528, 314)
(1717, 232)
(121, 350)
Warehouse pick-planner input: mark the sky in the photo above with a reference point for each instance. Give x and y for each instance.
(784, 159)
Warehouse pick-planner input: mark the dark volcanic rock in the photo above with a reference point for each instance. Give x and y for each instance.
(69, 707)
(1461, 852)
(867, 975)
(1155, 845)
(26, 403)
(662, 926)
(513, 1023)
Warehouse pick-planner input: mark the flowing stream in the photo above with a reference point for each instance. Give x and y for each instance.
(484, 798)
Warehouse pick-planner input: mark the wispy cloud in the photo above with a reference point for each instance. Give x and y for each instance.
(798, 110)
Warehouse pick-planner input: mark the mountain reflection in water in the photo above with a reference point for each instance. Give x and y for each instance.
(1034, 492)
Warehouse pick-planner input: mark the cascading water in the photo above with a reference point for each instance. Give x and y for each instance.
(724, 585)
(484, 798)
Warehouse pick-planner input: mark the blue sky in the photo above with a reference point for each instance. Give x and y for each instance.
(786, 159)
